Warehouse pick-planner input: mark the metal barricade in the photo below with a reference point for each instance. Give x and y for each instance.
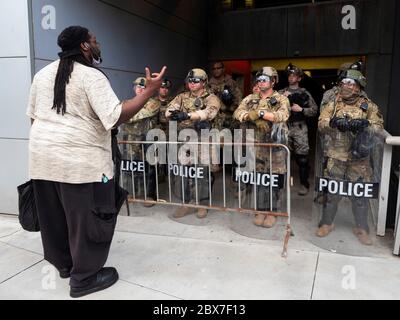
(139, 173)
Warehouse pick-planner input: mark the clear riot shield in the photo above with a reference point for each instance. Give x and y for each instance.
(260, 174)
(191, 177)
(138, 177)
(347, 178)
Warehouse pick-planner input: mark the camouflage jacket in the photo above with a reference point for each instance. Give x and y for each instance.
(309, 112)
(338, 144)
(281, 112)
(162, 120)
(217, 86)
(205, 106)
(144, 120)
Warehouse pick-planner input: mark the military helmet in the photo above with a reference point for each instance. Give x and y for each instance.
(270, 72)
(343, 67)
(141, 81)
(355, 75)
(357, 65)
(166, 84)
(198, 73)
(293, 69)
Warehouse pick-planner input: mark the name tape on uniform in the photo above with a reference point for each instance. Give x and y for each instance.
(348, 189)
(260, 178)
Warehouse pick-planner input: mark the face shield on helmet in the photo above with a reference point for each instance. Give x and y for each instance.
(269, 72)
(197, 76)
(356, 76)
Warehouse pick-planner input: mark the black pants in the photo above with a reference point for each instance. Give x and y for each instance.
(77, 224)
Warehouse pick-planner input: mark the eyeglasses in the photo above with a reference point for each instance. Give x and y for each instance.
(141, 87)
(194, 80)
(348, 81)
(263, 78)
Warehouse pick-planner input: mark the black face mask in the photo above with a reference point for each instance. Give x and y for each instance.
(96, 55)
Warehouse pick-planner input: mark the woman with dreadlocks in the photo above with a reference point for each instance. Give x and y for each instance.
(73, 110)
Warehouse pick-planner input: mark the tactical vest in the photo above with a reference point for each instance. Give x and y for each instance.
(190, 105)
(340, 144)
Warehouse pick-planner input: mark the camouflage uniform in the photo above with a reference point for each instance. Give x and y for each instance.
(298, 134)
(162, 120)
(263, 130)
(225, 118)
(138, 126)
(298, 131)
(135, 130)
(207, 107)
(342, 162)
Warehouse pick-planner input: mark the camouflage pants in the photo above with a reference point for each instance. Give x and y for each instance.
(135, 182)
(298, 138)
(354, 171)
(225, 120)
(192, 190)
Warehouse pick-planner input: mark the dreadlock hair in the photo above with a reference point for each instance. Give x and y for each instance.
(69, 41)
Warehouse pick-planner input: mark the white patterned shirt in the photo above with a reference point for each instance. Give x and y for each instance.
(75, 147)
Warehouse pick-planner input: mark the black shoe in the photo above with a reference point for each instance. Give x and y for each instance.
(104, 279)
(65, 273)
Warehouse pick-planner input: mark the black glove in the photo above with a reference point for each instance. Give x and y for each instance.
(358, 125)
(340, 123)
(202, 125)
(363, 144)
(177, 115)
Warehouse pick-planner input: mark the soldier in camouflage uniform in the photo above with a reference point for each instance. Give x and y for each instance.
(351, 121)
(163, 99)
(264, 112)
(330, 96)
(225, 88)
(196, 110)
(302, 106)
(136, 129)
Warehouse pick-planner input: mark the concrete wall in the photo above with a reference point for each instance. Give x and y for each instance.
(311, 31)
(133, 34)
(15, 79)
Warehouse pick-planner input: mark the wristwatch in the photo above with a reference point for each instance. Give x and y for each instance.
(261, 114)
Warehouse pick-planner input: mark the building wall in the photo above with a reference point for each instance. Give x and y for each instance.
(311, 30)
(133, 35)
(15, 79)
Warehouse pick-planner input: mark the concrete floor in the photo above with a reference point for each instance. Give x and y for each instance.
(223, 256)
(160, 258)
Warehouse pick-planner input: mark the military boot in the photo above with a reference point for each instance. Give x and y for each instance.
(269, 221)
(259, 220)
(181, 212)
(362, 236)
(201, 213)
(149, 205)
(324, 230)
(303, 191)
